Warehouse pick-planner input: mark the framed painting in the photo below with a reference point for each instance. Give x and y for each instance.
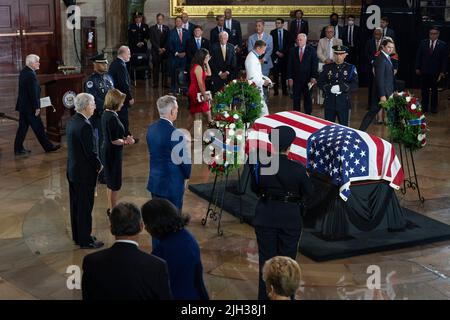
(261, 8)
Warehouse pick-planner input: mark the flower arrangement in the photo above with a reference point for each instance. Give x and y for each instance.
(406, 121)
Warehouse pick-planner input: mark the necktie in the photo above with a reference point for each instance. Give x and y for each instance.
(280, 40)
(199, 45)
(301, 54)
(330, 49)
(224, 52)
(431, 47)
(350, 36)
(180, 35)
(220, 29)
(229, 24)
(384, 32)
(160, 28)
(298, 26)
(336, 32)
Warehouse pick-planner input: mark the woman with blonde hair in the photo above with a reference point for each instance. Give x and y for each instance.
(113, 141)
(282, 276)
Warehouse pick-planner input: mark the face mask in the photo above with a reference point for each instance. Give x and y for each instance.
(334, 23)
(351, 23)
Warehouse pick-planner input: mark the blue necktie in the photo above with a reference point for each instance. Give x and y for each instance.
(280, 40)
(198, 44)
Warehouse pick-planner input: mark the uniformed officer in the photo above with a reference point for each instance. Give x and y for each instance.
(98, 84)
(278, 214)
(337, 81)
(138, 35)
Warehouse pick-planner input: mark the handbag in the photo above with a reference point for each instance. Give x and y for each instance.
(200, 97)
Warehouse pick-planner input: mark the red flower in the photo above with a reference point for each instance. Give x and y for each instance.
(230, 119)
(414, 100)
(423, 126)
(214, 165)
(221, 169)
(406, 94)
(419, 114)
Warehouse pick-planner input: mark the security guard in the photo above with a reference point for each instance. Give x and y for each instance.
(138, 35)
(98, 84)
(338, 80)
(278, 214)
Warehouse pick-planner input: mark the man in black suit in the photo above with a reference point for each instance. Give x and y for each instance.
(431, 65)
(138, 35)
(235, 36)
(372, 46)
(159, 35)
(121, 78)
(338, 30)
(223, 62)
(298, 25)
(124, 272)
(83, 166)
(196, 43)
(386, 31)
(384, 81)
(29, 104)
(351, 39)
(189, 26)
(214, 34)
(281, 45)
(302, 72)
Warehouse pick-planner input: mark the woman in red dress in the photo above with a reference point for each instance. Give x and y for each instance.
(199, 71)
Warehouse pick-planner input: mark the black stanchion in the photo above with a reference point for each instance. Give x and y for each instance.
(410, 181)
(215, 209)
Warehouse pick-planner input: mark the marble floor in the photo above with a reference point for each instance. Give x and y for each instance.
(36, 250)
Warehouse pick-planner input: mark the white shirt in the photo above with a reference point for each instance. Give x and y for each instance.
(260, 36)
(336, 32)
(128, 241)
(432, 44)
(228, 24)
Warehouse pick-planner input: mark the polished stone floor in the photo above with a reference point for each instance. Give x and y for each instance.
(36, 250)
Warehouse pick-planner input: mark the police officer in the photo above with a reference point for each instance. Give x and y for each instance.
(337, 81)
(278, 214)
(98, 84)
(138, 35)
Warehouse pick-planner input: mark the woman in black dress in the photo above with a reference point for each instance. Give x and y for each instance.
(113, 142)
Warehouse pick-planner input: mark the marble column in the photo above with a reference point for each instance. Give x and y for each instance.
(115, 26)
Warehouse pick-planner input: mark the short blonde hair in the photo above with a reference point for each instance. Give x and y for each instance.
(283, 274)
(114, 99)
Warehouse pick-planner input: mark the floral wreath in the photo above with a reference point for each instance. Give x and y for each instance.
(406, 121)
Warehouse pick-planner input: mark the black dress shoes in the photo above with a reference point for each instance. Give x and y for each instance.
(54, 148)
(22, 152)
(92, 245)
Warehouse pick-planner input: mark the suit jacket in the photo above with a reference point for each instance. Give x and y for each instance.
(287, 44)
(83, 162)
(138, 34)
(192, 47)
(389, 33)
(369, 53)
(214, 35)
(175, 45)
(355, 36)
(218, 65)
(159, 39)
(302, 72)
(235, 35)
(384, 76)
(181, 252)
(340, 35)
(121, 78)
(190, 29)
(432, 63)
(29, 98)
(123, 272)
(323, 48)
(267, 38)
(304, 28)
(166, 178)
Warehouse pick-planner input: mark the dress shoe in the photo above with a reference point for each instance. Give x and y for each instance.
(21, 152)
(92, 245)
(54, 148)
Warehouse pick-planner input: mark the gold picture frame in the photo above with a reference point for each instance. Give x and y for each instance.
(177, 8)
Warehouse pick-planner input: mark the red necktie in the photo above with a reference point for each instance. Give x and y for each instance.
(180, 35)
(301, 54)
(298, 26)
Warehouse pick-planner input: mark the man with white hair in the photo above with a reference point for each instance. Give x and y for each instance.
(29, 104)
(83, 167)
(223, 62)
(121, 79)
(169, 168)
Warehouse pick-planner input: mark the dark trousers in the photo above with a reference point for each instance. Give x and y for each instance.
(428, 82)
(177, 65)
(370, 115)
(299, 92)
(159, 65)
(279, 70)
(123, 117)
(81, 204)
(27, 119)
(274, 242)
(340, 114)
(371, 98)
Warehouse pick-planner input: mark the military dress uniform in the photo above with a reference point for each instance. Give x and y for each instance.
(337, 82)
(136, 34)
(278, 214)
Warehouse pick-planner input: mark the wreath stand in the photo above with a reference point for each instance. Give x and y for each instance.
(410, 180)
(215, 209)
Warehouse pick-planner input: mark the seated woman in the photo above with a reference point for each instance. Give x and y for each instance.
(177, 247)
(282, 276)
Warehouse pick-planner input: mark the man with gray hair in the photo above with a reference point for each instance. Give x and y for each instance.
(223, 62)
(169, 168)
(83, 166)
(29, 104)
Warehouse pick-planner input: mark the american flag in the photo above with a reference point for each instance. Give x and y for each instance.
(342, 153)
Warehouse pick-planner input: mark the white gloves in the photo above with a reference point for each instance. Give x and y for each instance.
(336, 89)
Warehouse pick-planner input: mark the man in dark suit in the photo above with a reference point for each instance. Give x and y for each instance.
(124, 272)
(298, 25)
(223, 62)
(372, 46)
(351, 39)
(281, 45)
(187, 25)
(159, 35)
(138, 35)
(196, 43)
(167, 174)
(302, 72)
(431, 65)
(386, 31)
(384, 81)
(338, 30)
(214, 34)
(83, 166)
(121, 78)
(178, 39)
(29, 104)
(235, 35)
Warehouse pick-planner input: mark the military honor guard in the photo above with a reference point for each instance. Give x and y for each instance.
(138, 35)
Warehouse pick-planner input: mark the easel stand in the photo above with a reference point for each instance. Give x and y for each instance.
(215, 209)
(410, 180)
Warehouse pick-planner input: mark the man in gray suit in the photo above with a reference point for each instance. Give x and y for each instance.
(384, 81)
(266, 59)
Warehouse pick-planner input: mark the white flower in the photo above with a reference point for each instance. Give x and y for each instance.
(211, 147)
(408, 99)
(413, 107)
(226, 115)
(239, 137)
(236, 116)
(206, 140)
(231, 132)
(234, 81)
(232, 126)
(218, 124)
(421, 136)
(211, 133)
(401, 94)
(228, 141)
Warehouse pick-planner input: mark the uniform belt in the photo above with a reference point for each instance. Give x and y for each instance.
(285, 198)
